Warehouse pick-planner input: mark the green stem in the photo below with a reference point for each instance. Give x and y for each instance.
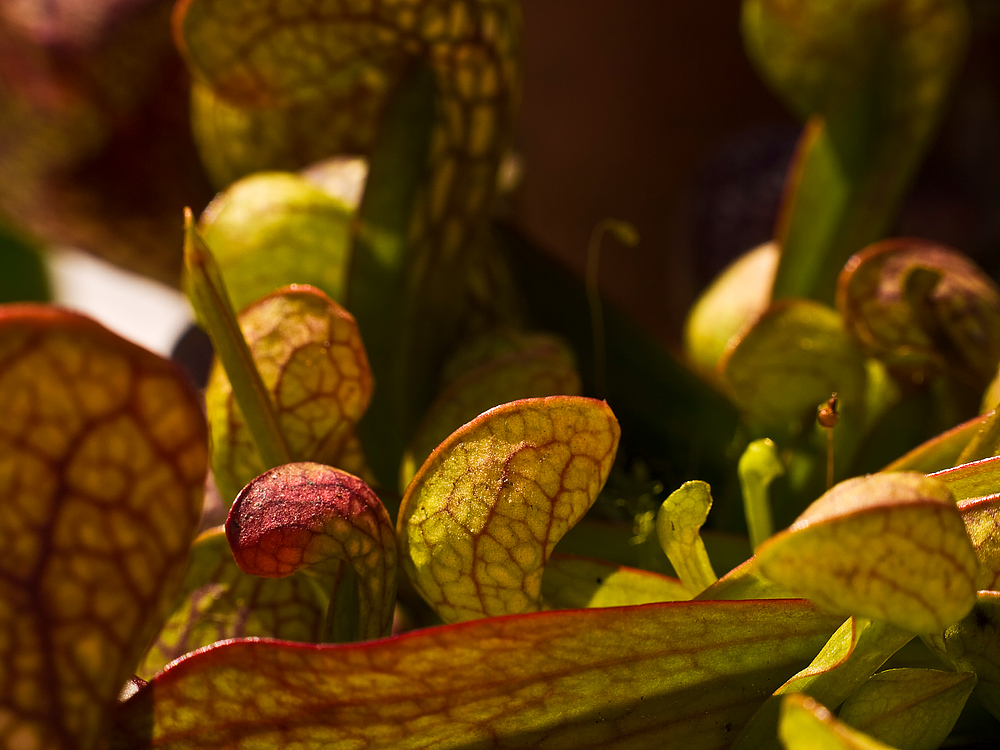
(215, 312)
(758, 467)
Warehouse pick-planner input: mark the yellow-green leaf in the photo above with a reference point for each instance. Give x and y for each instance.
(102, 470)
(482, 515)
(271, 230)
(888, 546)
(219, 601)
(674, 675)
(313, 364)
(678, 524)
(791, 360)
(912, 709)
(572, 582)
(525, 366)
(808, 725)
(306, 516)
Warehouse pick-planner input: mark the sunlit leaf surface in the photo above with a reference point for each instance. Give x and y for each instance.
(274, 229)
(675, 675)
(102, 469)
(888, 546)
(910, 708)
(808, 725)
(571, 582)
(219, 601)
(307, 516)
(312, 361)
(483, 513)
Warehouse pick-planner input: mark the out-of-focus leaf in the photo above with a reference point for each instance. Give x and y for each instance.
(306, 516)
(790, 361)
(533, 365)
(313, 363)
(482, 515)
(888, 546)
(758, 467)
(807, 725)
(454, 73)
(973, 645)
(922, 308)
(271, 230)
(873, 77)
(96, 151)
(675, 675)
(858, 648)
(219, 601)
(102, 469)
(678, 522)
(982, 522)
(571, 582)
(912, 709)
(23, 277)
(733, 301)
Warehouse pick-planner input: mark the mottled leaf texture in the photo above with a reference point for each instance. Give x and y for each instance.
(922, 308)
(312, 361)
(887, 546)
(909, 708)
(482, 515)
(675, 675)
(808, 725)
(102, 469)
(519, 366)
(219, 601)
(314, 517)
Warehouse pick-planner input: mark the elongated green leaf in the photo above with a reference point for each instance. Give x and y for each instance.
(675, 675)
(972, 480)
(758, 467)
(102, 469)
(572, 582)
(527, 366)
(912, 709)
(873, 76)
(330, 523)
(482, 515)
(219, 601)
(888, 546)
(313, 367)
(808, 725)
(271, 230)
(858, 648)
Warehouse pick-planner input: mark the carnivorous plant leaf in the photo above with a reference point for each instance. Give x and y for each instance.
(949, 323)
(313, 365)
(808, 725)
(274, 229)
(888, 546)
(973, 645)
(528, 366)
(872, 78)
(674, 675)
(328, 522)
(102, 469)
(913, 709)
(572, 582)
(678, 522)
(758, 467)
(858, 648)
(220, 601)
(794, 357)
(482, 515)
